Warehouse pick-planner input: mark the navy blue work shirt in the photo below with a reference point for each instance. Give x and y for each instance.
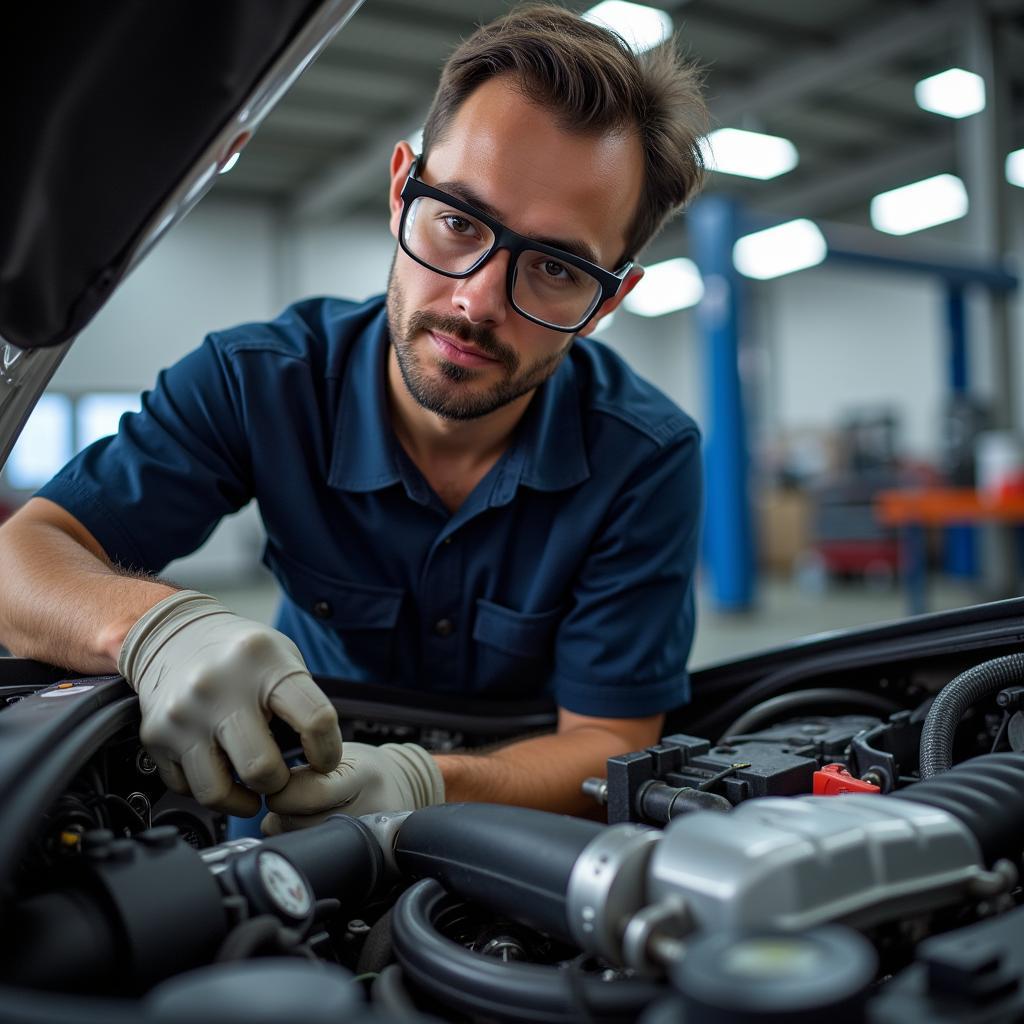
(568, 570)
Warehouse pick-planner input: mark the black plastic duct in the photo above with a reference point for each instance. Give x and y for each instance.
(511, 859)
(987, 795)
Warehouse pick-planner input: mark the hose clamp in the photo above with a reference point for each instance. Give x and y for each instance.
(607, 886)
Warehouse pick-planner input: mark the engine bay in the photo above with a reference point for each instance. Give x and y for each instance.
(805, 841)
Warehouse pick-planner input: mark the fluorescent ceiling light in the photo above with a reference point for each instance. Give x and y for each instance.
(666, 287)
(783, 249)
(953, 93)
(639, 25)
(752, 154)
(1015, 167)
(920, 205)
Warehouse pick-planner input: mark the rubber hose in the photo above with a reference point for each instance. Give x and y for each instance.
(341, 859)
(953, 701)
(388, 994)
(377, 951)
(513, 860)
(986, 794)
(786, 702)
(248, 937)
(482, 986)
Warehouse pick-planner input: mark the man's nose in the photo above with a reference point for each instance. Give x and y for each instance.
(482, 297)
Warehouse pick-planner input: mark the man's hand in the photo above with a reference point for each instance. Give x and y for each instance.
(208, 682)
(392, 777)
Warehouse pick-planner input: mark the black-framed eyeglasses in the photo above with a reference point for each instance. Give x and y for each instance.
(548, 286)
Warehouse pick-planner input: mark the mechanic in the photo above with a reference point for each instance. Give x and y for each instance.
(461, 491)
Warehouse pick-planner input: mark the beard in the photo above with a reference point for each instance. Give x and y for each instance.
(451, 391)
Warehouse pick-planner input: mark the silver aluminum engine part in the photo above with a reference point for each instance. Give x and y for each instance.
(217, 858)
(607, 887)
(798, 862)
(654, 937)
(385, 827)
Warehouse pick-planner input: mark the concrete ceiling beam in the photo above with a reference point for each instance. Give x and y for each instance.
(884, 41)
(347, 182)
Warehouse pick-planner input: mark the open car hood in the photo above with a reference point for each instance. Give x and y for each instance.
(123, 115)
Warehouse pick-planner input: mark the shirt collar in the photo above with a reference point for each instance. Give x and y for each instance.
(548, 454)
(554, 455)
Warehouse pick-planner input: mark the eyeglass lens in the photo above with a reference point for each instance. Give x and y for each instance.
(452, 242)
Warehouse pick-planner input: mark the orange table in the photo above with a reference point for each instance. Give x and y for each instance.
(912, 510)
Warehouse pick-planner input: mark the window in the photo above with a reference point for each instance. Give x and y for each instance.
(44, 446)
(97, 415)
(58, 427)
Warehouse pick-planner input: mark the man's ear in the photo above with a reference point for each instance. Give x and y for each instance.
(401, 161)
(610, 305)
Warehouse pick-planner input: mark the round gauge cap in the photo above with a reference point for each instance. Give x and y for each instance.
(283, 883)
(765, 976)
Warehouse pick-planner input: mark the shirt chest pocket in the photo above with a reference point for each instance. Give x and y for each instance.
(514, 650)
(359, 619)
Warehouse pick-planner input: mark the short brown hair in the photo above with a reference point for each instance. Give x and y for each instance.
(594, 82)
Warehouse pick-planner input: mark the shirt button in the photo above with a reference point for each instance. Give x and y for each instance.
(447, 540)
(444, 627)
(322, 609)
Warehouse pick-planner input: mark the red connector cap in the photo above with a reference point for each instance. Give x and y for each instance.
(834, 779)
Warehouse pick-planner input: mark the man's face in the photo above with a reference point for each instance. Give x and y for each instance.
(463, 351)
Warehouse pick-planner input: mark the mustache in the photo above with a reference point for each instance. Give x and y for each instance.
(482, 337)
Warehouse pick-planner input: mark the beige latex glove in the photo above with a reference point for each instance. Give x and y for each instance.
(208, 682)
(392, 777)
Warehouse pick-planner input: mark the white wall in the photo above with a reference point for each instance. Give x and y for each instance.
(823, 342)
(837, 339)
(665, 350)
(349, 258)
(217, 268)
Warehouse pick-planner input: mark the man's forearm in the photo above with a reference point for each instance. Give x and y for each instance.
(61, 602)
(545, 772)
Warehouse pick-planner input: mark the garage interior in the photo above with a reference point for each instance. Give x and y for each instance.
(892, 363)
(824, 822)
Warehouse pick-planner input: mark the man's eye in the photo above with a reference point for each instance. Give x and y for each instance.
(459, 225)
(556, 270)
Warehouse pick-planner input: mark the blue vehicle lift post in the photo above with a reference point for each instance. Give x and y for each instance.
(728, 546)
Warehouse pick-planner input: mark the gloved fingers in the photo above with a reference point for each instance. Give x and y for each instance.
(271, 825)
(174, 779)
(206, 769)
(170, 771)
(275, 824)
(312, 792)
(305, 707)
(246, 740)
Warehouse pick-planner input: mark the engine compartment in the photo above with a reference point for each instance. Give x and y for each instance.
(833, 830)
